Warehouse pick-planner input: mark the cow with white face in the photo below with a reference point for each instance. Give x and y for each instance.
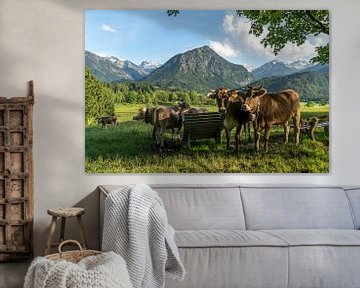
(230, 102)
(221, 95)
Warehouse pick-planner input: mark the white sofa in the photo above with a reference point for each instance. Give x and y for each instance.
(242, 236)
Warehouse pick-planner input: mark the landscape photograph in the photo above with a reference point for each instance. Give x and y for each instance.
(207, 91)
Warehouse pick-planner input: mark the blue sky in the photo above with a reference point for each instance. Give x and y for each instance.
(138, 35)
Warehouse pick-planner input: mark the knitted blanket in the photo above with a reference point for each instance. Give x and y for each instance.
(136, 227)
(102, 271)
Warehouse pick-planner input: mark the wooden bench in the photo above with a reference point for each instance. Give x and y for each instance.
(202, 126)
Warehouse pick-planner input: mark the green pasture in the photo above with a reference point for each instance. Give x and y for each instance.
(128, 148)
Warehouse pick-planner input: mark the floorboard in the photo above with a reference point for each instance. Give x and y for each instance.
(12, 274)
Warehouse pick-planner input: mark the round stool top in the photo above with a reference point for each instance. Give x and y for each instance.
(66, 211)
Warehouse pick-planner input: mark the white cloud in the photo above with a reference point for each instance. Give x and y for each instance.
(293, 52)
(224, 49)
(305, 51)
(237, 30)
(107, 28)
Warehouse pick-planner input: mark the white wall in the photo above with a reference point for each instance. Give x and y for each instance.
(43, 40)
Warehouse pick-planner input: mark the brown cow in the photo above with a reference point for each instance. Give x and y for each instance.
(170, 117)
(145, 115)
(273, 109)
(164, 118)
(111, 120)
(230, 103)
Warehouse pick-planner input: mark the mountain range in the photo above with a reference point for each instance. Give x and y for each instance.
(309, 80)
(202, 69)
(198, 69)
(279, 68)
(113, 69)
(149, 66)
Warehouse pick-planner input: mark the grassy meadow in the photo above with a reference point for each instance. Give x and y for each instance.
(128, 148)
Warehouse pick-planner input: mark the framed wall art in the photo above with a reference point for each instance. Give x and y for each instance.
(207, 91)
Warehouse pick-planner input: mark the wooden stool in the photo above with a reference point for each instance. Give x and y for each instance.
(64, 213)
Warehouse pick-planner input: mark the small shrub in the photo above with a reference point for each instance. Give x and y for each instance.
(310, 104)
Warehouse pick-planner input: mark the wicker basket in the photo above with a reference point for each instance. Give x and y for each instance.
(72, 256)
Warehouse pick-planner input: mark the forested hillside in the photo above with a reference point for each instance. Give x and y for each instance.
(311, 86)
(200, 69)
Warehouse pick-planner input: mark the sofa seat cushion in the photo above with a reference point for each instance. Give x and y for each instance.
(317, 237)
(233, 267)
(225, 238)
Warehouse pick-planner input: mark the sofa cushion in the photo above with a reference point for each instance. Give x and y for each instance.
(322, 258)
(226, 238)
(317, 237)
(199, 207)
(324, 266)
(204, 208)
(296, 208)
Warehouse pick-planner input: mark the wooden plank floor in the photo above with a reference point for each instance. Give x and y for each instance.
(12, 274)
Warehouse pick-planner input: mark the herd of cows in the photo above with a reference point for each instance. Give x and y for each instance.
(241, 108)
(261, 108)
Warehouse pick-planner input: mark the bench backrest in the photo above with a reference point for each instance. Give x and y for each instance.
(202, 125)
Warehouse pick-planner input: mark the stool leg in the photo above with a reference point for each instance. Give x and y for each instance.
(82, 232)
(51, 235)
(62, 231)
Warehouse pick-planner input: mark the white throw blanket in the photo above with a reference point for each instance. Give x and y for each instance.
(102, 271)
(136, 227)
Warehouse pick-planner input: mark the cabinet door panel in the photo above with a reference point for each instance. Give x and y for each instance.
(16, 183)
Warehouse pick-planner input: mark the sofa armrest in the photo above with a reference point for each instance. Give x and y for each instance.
(103, 195)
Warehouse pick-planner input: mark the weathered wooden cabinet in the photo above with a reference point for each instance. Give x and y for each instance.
(16, 177)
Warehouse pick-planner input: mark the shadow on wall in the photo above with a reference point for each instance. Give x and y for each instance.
(58, 167)
(16, 70)
(72, 231)
(30, 52)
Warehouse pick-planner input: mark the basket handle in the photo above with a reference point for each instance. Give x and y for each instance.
(69, 241)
